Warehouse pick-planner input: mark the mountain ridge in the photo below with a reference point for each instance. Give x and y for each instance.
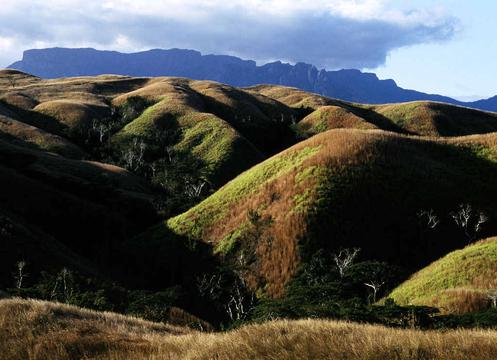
(346, 84)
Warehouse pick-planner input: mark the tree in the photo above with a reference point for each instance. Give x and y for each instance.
(428, 219)
(468, 221)
(375, 285)
(210, 286)
(194, 190)
(240, 302)
(63, 286)
(100, 129)
(344, 259)
(20, 273)
(132, 156)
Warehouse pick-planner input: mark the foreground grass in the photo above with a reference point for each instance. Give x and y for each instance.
(40, 330)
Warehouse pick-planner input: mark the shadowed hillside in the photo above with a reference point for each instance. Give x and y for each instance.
(44, 330)
(314, 195)
(245, 127)
(84, 205)
(139, 195)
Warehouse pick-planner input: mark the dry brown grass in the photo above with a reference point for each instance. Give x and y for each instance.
(276, 247)
(333, 117)
(40, 330)
(289, 199)
(294, 97)
(71, 113)
(24, 133)
(19, 100)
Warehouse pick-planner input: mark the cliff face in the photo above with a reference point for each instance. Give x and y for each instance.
(350, 85)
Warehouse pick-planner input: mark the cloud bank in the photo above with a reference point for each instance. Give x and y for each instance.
(328, 33)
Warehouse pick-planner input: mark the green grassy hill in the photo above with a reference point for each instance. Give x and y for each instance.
(160, 183)
(422, 118)
(182, 112)
(225, 129)
(340, 189)
(457, 283)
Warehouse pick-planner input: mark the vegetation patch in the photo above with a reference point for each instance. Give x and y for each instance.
(460, 274)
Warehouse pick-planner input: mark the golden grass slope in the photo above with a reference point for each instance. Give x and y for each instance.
(23, 134)
(72, 114)
(310, 194)
(457, 283)
(31, 329)
(438, 119)
(294, 97)
(228, 129)
(332, 117)
(39, 330)
(422, 118)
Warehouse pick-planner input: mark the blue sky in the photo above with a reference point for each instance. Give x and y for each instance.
(441, 46)
(465, 66)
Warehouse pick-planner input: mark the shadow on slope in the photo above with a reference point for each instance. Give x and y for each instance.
(342, 188)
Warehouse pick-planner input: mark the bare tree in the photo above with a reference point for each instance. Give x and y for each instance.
(209, 286)
(469, 221)
(63, 285)
(133, 155)
(193, 191)
(100, 128)
(66, 278)
(170, 153)
(344, 259)
(375, 286)
(20, 274)
(239, 303)
(428, 218)
(482, 219)
(492, 296)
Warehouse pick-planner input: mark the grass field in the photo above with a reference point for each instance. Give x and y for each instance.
(40, 330)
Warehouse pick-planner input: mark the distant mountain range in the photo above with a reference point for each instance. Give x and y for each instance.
(349, 85)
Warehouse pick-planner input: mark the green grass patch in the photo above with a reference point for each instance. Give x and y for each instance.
(216, 206)
(458, 270)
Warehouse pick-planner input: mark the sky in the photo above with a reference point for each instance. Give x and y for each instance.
(447, 47)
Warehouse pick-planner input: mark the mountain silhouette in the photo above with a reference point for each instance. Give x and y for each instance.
(350, 85)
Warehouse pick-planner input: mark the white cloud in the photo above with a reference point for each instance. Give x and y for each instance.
(330, 33)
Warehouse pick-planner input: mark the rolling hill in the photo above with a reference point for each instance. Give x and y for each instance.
(347, 84)
(42, 330)
(67, 206)
(163, 186)
(248, 125)
(422, 118)
(313, 195)
(459, 282)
